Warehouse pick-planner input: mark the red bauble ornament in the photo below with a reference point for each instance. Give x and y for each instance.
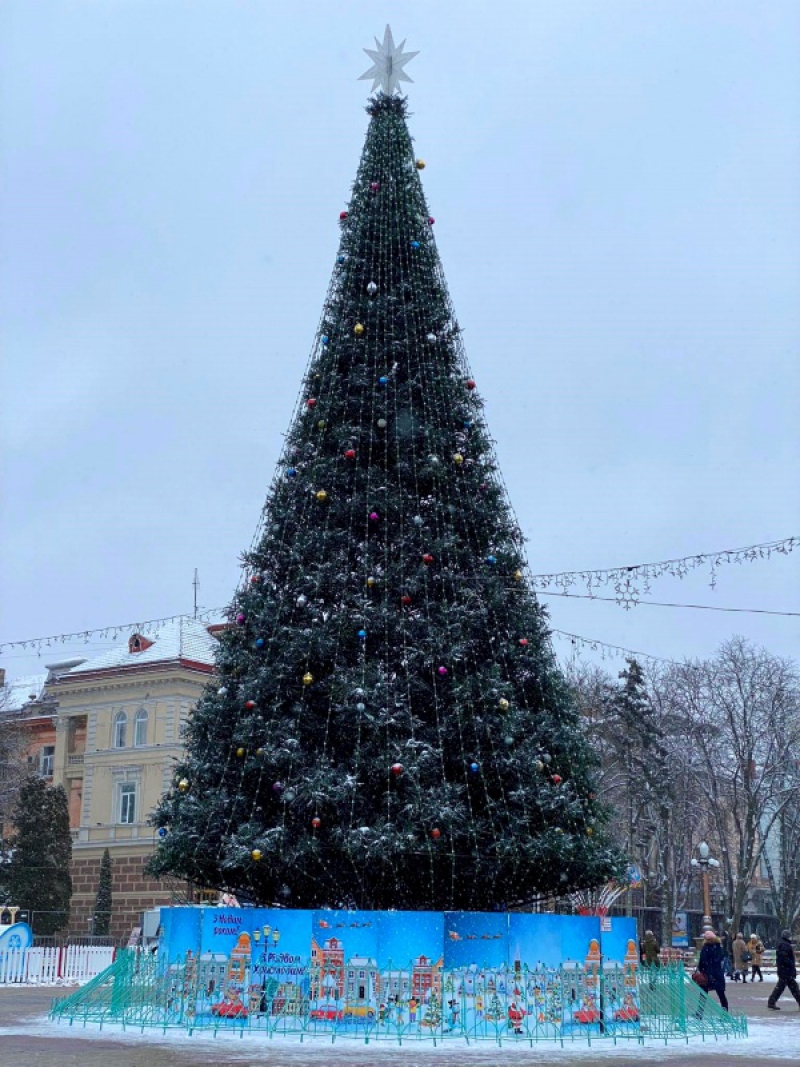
(374, 186)
(342, 215)
(405, 600)
(255, 579)
(311, 402)
(470, 384)
(555, 779)
(523, 641)
(427, 558)
(249, 704)
(316, 822)
(397, 769)
(436, 833)
(350, 453)
(431, 221)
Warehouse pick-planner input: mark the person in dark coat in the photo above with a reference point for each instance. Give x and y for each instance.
(651, 950)
(711, 963)
(787, 971)
(727, 951)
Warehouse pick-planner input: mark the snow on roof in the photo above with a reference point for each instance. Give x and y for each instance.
(15, 695)
(178, 639)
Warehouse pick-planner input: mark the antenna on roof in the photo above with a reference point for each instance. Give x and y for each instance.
(196, 584)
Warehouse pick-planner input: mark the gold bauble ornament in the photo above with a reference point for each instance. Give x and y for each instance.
(503, 704)
(517, 576)
(322, 496)
(240, 753)
(458, 458)
(259, 751)
(420, 164)
(370, 582)
(358, 330)
(256, 854)
(589, 831)
(308, 678)
(183, 784)
(321, 424)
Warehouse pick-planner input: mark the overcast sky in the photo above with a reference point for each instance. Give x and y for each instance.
(615, 187)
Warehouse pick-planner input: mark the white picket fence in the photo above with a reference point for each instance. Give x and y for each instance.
(69, 965)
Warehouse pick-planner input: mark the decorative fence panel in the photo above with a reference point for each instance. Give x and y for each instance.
(67, 965)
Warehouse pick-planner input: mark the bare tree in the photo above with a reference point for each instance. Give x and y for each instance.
(741, 710)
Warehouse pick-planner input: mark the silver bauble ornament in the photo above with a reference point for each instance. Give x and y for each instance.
(372, 288)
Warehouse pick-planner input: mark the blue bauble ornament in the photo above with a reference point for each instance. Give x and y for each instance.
(474, 767)
(362, 635)
(260, 642)
(383, 380)
(415, 244)
(162, 831)
(291, 472)
(340, 259)
(491, 560)
(324, 338)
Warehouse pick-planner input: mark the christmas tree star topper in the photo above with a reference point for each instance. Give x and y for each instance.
(387, 63)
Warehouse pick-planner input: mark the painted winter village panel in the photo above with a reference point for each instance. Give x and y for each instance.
(403, 973)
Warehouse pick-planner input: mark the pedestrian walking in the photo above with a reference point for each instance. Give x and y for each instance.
(787, 971)
(711, 965)
(727, 950)
(755, 946)
(650, 950)
(741, 958)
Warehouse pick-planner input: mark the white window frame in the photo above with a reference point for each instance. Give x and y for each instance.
(142, 719)
(126, 808)
(47, 759)
(119, 730)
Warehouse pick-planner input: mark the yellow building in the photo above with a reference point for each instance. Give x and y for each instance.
(119, 729)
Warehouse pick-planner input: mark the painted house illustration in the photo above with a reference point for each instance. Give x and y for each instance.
(363, 980)
(327, 969)
(426, 977)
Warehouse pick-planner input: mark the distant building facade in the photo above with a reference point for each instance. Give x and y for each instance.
(109, 730)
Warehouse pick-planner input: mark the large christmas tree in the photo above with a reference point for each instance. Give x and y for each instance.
(389, 727)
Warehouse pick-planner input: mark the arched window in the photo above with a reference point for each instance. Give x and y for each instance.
(140, 728)
(120, 730)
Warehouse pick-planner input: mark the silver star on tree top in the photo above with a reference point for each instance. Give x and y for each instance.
(387, 64)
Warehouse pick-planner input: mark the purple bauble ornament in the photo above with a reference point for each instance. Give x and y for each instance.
(240, 618)
(373, 516)
(277, 787)
(443, 671)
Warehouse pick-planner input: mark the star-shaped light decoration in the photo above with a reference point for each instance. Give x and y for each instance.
(387, 64)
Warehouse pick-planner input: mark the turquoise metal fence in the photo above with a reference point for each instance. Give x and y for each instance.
(402, 1004)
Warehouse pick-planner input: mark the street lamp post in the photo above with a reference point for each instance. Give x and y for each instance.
(704, 862)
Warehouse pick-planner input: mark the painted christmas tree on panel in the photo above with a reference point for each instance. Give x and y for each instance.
(388, 727)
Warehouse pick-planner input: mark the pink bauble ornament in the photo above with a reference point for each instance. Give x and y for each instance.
(373, 516)
(442, 671)
(374, 186)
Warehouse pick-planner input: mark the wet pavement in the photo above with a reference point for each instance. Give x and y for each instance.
(28, 1039)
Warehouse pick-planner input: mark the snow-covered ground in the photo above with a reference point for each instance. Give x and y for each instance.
(773, 1039)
